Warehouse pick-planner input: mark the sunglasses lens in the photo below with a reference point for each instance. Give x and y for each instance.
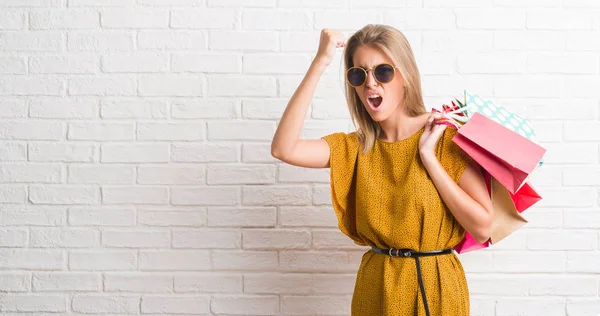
(384, 73)
(356, 76)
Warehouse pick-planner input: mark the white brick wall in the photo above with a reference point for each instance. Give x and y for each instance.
(135, 167)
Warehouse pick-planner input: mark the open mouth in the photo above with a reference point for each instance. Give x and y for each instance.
(375, 100)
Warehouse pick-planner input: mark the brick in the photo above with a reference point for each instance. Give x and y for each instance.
(332, 239)
(171, 174)
(242, 217)
(321, 195)
(242, 3)
(564, 286)
(528, 3)
(243, 40)
(241, 130)
(490, 19)
(14, 108)
(527, 86)
(333, 283)
(62, 152)
(176, 305)
(323, 261)
(582, 41)
(12, 19)
(66, 281)
(582, 219)
(32, 130)
(357, 4)
(244, 260)
(42, 41)
(503, 285)
(101, 3)
(207, 239)
(104, 216)
(63, 108)
(13, 237)
(174, 260)
(170, 131)
(331, 305)
(133, 108)
(203, 18)
(192, 217)
(64, 194)
(13, 194)
(533, 307)
(171, 39)
(134, 19)
(275, 64)
(275, 195)
(504, 63)
(329, 109)
(29, 3)
(137, 282)
(15, 282)
(241, 86)
(579, 306)
(55, 19)
(12, 65)
(63, 237)
(531, 261)
(330, 4)
(138, 153)
(303, 216)
(345, 20)
(210, 152)
(294, 41)
(561, 153)
(272, 239)
(101, 131)
(245, 305)
(205, 196)
(458, 41)
(290, 173)
(170, 85)
(204, 108)
(13, 151)
(420, 19)
(34, 303)
(544, 218)
(31, 85)
(32, 216)
(171, 2)
(583, 262)
(105, 304)
(578, 63)
(100, 174)
(31, 259)
(100, 41)
(31, 172)
(134, 195)
(274, 283)
(582, 86)
(135, 62)
(582, 131)
(562, 240)
(276, 20)
(136, 238)
(208, 283)
(560, 19)
(257, 152)
(456, 4)
(103, 260)
(241, 174)
(328, 87)
(117, 85)
(567, 197)
(210, 63)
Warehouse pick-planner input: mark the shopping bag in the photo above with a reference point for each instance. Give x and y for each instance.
(509, 157)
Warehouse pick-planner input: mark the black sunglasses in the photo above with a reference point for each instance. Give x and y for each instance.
(383, 73)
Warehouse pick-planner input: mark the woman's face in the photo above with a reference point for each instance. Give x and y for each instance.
(381, 100)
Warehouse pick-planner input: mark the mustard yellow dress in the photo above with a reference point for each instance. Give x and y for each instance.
(386, 199)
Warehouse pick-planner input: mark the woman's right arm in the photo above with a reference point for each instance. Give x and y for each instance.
(287, 145)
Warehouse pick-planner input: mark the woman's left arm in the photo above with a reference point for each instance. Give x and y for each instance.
(468, 200)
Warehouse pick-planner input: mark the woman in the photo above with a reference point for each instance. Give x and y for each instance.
(399, 184)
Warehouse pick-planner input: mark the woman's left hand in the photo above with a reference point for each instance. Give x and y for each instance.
(430, 137)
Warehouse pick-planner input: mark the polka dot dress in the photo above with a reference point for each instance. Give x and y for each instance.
(386, 199)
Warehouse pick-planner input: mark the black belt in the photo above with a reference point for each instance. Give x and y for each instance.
(408, 253)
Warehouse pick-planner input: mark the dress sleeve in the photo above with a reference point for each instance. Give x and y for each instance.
(344, 150)
(454, 160)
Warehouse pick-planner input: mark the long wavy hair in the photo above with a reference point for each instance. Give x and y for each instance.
(393, 43)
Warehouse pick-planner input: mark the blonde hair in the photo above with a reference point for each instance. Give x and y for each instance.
(393, 43)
